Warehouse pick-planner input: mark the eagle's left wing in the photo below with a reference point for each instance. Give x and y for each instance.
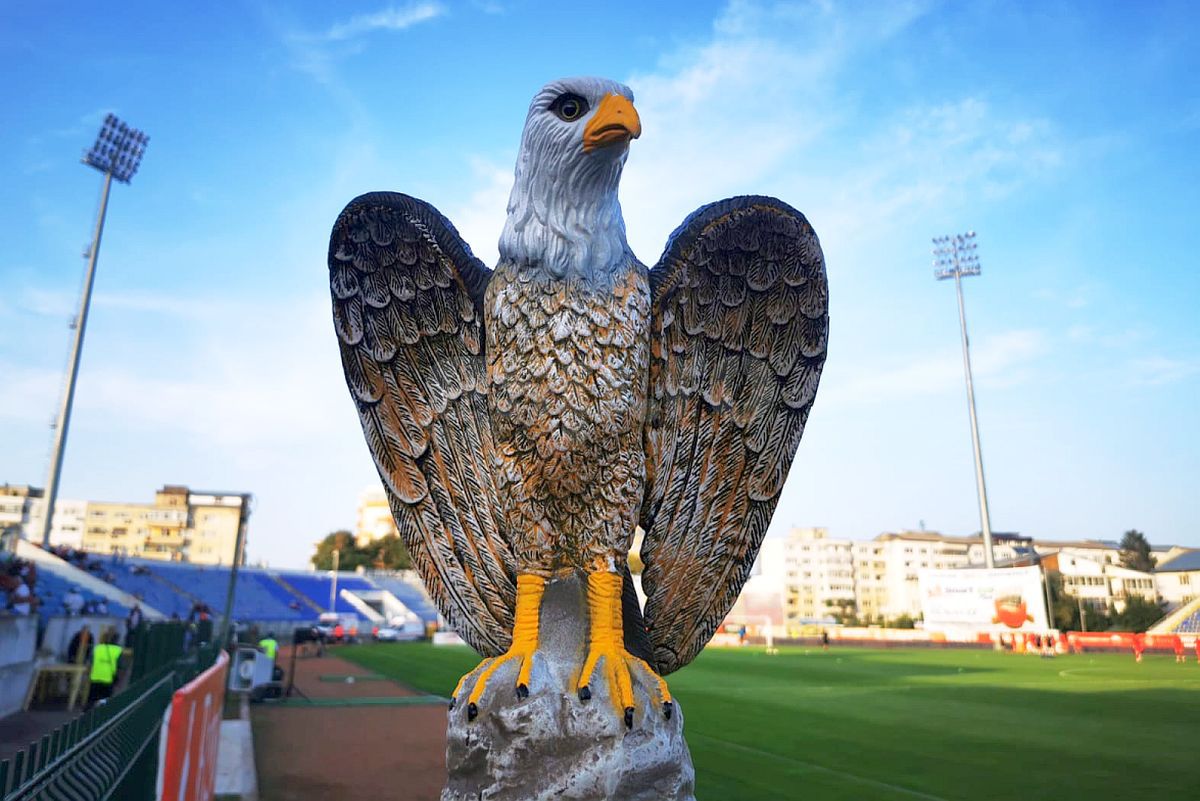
(739, 328)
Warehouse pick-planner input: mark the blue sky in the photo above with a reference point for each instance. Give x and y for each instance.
(1065, 134)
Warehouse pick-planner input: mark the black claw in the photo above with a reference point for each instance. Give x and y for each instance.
(668, 709)
(585, 693)
(629, 717)
(522, 691)
(472, 711)
(453, 701)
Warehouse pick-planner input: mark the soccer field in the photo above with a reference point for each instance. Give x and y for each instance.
(912, 723)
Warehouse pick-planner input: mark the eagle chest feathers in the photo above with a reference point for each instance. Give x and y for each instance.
(567, 366)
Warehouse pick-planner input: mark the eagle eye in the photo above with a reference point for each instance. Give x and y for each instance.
(569, 107)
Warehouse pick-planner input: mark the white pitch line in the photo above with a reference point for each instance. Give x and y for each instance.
(822, 769)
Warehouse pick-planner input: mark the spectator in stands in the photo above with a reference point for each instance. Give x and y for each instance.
(106, 660)
(21, 599)
(73, 601)
(82, 639)
(101, 606)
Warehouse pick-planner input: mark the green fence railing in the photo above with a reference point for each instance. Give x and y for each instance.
(111, 751)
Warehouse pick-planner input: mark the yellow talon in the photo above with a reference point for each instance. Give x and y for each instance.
(524, 644)
(607, 641)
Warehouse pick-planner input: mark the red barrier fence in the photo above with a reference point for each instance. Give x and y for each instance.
(1123, 640)
(191, 734)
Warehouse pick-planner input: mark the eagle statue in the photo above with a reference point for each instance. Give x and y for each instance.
(526, 420)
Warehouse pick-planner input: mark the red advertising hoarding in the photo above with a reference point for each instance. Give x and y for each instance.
(191, 734)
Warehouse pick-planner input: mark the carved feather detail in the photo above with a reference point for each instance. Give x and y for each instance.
(738, 338)
(407, 306)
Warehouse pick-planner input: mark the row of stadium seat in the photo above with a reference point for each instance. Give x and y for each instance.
(285, 596)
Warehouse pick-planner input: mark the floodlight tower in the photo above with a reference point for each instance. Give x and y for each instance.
(117, 153)
(955, 257)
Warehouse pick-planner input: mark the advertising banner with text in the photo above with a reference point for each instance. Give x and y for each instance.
(191, 734)
(1000, 600)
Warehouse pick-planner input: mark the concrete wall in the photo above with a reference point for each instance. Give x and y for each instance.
(60, 629)
(18, 643)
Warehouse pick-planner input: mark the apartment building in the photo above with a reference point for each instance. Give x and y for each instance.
(814, 576)
(22, 508)
(374, 517)
(179, 525)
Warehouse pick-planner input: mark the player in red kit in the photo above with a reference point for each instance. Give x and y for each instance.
(1139, 645)
(1177, 642)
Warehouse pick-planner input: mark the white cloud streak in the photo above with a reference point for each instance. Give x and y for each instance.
(388, 19)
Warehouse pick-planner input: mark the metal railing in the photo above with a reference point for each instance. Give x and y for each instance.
(111, 751)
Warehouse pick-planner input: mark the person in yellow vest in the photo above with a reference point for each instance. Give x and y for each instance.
(269, 646)
(106, 658)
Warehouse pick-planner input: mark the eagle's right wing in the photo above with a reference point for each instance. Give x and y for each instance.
(407, 306)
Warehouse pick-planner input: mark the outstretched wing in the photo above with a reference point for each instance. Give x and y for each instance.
(740, 321)
(407, 306)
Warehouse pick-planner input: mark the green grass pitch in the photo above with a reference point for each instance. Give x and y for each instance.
(940, 725)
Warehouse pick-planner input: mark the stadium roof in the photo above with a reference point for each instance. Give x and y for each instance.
(1188, 561)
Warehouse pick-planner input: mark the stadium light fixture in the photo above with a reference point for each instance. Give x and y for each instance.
(956, 257)
(117, 153)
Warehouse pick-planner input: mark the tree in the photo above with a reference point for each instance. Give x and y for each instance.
(342, 541)
(389, 553)
(1139, 614)
(1065, 612)
(385, 553)
(1135, 552)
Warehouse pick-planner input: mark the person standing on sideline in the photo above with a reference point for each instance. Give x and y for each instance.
(269, 645)
(824, 639)
(106, 658)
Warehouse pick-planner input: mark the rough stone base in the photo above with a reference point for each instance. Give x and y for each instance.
(553, 746)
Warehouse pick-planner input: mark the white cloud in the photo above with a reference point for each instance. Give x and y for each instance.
(388, 19)
(481, 218)
(28, 394)
(1158, 369)
(1001, 360)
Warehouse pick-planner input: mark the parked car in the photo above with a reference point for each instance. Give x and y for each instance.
(398, 633)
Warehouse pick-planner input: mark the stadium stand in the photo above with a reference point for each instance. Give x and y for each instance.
(261, 595)
(316, 587)
(51, 588)
(410, 595)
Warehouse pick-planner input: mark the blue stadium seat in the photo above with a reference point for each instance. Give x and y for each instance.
(411, 596)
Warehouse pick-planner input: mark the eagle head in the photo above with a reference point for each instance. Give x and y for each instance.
(563, 213)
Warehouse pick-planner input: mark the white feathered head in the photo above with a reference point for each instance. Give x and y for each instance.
(563, 214)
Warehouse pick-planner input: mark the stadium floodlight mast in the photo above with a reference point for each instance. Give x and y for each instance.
(117, 153)
(955, 257)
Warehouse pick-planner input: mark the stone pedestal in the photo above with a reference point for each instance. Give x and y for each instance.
(553, 746)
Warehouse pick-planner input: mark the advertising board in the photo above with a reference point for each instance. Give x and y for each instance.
(1000, 600)
(191, 735)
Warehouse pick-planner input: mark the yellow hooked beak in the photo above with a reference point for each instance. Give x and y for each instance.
(615, 120)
